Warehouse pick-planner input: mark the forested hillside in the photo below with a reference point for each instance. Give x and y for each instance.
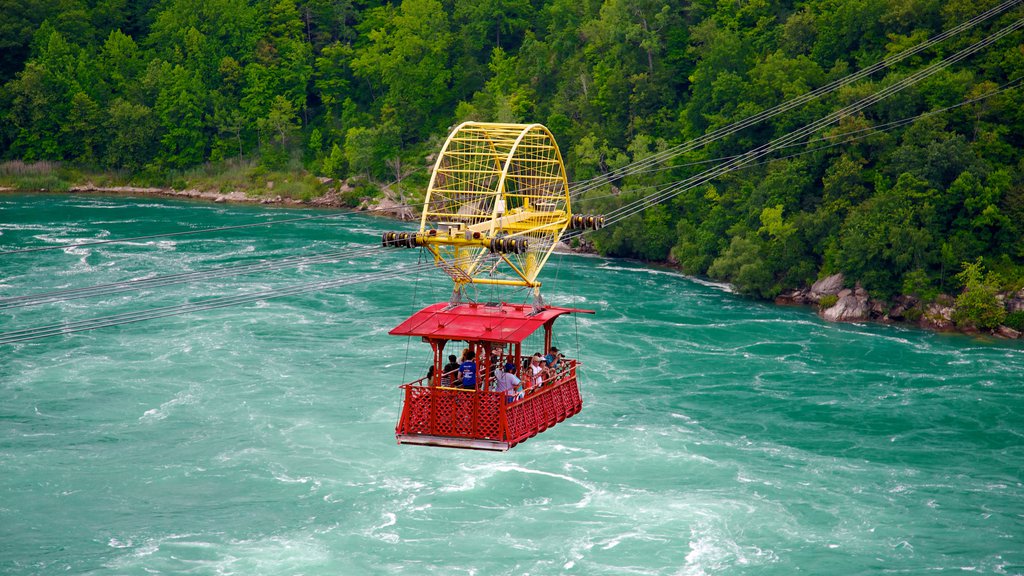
(898, 197)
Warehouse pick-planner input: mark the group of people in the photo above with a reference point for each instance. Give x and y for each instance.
(538, 369)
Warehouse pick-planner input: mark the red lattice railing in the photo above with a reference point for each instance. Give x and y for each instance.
(459, 413)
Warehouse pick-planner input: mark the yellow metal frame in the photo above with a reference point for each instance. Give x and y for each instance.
(494, 180)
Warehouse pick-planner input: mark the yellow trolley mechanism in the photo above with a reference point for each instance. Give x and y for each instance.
(497, 204)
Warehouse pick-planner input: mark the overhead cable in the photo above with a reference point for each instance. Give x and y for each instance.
(34, 333)
(759, 152)
(266, 265)
(192, 232)
(709, 137)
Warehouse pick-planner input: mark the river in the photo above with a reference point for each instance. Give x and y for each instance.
(719, 435)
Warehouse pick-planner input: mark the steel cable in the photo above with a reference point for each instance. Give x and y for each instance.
(211, 304)
(783, 107)
(192, 232)
(180, 278)
(674, 189)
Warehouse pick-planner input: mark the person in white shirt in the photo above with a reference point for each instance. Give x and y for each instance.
(536, 370)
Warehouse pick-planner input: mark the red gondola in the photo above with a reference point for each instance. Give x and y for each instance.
(480, 418)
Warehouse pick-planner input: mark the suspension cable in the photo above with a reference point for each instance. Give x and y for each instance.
(210, 304)
(266, 265)
(759, 152)
(191, 232)
(858, 134)
(707, 138)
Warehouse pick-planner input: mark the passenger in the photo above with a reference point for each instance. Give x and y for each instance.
(536, 370)
(467, 370)
(430, 373)
(508, 383)
(553, 358)
(465, 352)
(449, 369)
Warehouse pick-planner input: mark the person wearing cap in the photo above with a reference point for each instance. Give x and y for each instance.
(507, 382)
(537, 372)
(553, 358)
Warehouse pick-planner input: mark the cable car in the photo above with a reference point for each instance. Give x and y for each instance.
(480, 417)
(497, 204)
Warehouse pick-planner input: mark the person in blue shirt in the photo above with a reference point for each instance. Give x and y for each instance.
(553, 358)
(467, 370)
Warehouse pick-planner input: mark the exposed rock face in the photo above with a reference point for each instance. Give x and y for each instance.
(879, 310)
(830, 285)
(938, 316)
(900, 305)
(389, 207)
(1015, 304)
(851, 307)
(1007, 332)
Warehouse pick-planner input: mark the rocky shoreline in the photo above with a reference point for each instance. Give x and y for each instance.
(837, 302)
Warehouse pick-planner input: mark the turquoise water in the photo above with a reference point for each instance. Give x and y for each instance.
(718, 436)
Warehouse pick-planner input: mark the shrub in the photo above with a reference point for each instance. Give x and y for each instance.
(1015, 320)
(977, 305)
(913, 314)
(828, 301)
(917, 283)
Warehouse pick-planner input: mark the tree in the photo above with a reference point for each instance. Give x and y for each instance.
(890, 234)
(131, 130)
(81, 129)
(368, 149)
(335, 164)
(407, 58)
(977, 306)
(181, 115)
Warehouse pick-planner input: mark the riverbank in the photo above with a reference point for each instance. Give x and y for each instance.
(838, 302)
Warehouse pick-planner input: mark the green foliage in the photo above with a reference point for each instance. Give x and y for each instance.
(917, 283)
(828, 301)
(977, 305)
(335, 165)
(896, 197)
(1015, 320)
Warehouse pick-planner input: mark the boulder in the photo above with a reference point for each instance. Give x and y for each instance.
(1015, 304)
(878, 309)
(937, 316)
(848, 308)
(801, 296)
(829, 285)
(1007, 332)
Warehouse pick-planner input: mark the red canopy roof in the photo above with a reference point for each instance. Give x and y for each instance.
(479, 322)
